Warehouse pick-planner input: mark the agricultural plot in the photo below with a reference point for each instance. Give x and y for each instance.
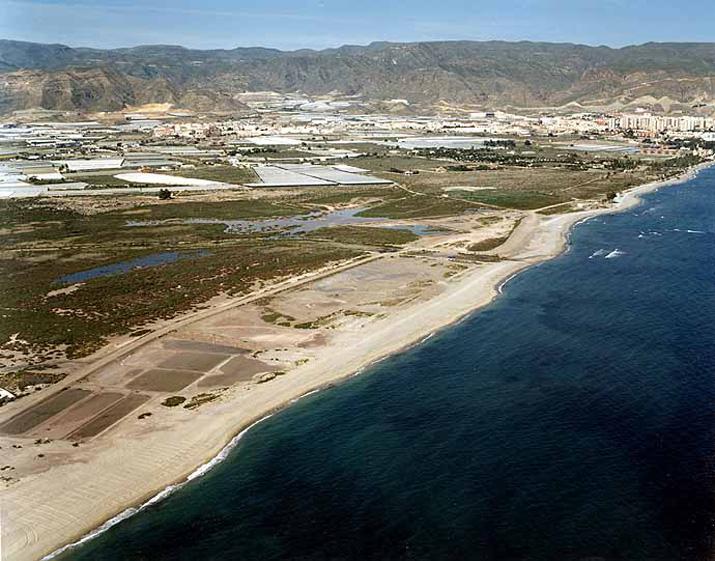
(296, 175)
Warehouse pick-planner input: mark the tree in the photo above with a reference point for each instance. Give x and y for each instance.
(164, 194)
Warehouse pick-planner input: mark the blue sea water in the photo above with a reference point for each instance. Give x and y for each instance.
(572, 419)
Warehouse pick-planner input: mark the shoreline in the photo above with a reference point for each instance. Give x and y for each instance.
(549, 234)
(164, 493)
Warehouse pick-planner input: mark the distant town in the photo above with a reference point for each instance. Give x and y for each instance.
(55, 156)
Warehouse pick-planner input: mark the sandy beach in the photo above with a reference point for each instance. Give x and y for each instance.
(58, 502)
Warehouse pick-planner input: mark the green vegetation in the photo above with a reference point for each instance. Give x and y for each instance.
(173, 401)
(524, 200)
(493, 243)
(486, 258)
(542, 176)
(419, 206)
(488, 244)
(559, 209)
(43, 241)
(364, 235)
(80, 320)
(224, 174)
(287, 154)
(42, 224)
(99, 180)
(220, 173)
(321, 321)
(277, 318)
(525, 188)
(403, 162)
(347, 194)
(21, 380)
(200, 399)
(230, 210)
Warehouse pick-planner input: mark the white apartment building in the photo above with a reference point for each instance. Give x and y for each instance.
(660, 123)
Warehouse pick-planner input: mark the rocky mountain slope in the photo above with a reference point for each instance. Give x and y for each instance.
(487, 74)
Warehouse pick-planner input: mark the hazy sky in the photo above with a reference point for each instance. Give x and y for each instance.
(326, 23)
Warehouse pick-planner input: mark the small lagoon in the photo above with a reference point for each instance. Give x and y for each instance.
(293, 225)
(123, 267)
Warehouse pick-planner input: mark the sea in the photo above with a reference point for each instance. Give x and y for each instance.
(571, 419)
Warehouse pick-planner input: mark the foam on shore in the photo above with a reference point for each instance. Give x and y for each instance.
(502, 284)
(163, 494)
(615, 253)
(170, 489)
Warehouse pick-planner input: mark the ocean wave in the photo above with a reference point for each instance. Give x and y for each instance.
(615, 253)
(500, 288)
(597, 253)
(649, 233)
(169, 490)
(94, 533)
(163, 494)
(114, 521)
(221, 456)
(428, 337)
(306, 394)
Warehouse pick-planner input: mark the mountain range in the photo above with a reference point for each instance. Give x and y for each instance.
(492, 74)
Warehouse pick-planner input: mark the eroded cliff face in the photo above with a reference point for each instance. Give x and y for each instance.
(489, 74)
(102, 89)
(73, 89)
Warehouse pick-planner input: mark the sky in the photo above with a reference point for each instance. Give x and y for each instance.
(318, 24)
